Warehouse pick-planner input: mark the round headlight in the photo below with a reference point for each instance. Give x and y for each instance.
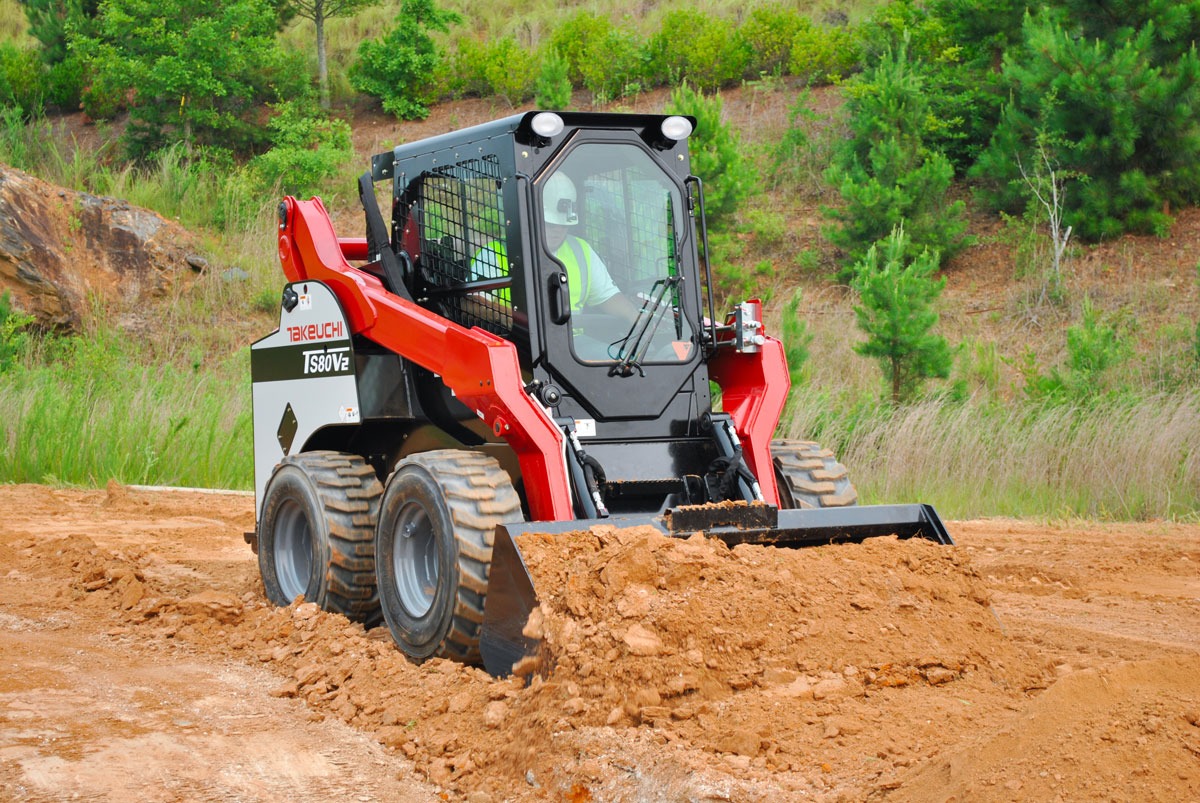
(547, 124)
(676, 128)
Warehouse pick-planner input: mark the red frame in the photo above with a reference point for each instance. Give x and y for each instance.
(483, 370)
(754, 389)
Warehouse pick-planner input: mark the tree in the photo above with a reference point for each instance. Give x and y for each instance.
(717, 155)
(1126, 81)
(886, 174)
(897, 314)
(191, 71)
(306, 150)
(318, 11)
(552, 89)
(50, 20)
(397, 67)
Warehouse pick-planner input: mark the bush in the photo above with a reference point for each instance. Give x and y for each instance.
(693, 46)
(65, 83)
(823, 55)
(307, 149)
(466, 75)
(613, 65)
(576, 40)
(769, 32)
(23, 83)
(14, 340)
(510, 70)
(397, 67)
(1094, 347)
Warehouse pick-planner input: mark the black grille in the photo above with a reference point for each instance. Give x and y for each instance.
(463, 259)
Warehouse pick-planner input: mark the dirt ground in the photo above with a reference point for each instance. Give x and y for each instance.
(138, 661)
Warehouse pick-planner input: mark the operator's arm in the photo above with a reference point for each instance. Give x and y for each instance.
(619, 306)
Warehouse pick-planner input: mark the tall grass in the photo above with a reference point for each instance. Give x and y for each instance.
(1128, 457)
(13, 25)
(96, 411)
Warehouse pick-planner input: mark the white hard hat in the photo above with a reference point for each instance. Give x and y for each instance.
(558, 201)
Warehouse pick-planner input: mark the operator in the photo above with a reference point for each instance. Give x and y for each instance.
(588, 281)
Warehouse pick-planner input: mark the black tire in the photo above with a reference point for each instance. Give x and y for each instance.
(809, 476)
(316, 536)
(433, 549)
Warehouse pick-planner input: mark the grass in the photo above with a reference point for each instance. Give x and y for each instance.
(1127, 458)
(95, 410)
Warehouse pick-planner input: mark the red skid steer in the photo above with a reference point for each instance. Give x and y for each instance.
(529, 347)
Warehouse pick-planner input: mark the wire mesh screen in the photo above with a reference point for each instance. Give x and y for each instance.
(463, 260)
(629, 220)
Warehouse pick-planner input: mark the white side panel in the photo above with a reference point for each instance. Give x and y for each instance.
(303, 379)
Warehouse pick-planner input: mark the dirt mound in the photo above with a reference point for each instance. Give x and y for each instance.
(697, 621)
(752, 659)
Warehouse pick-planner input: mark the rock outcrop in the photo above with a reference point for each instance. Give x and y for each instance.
(62, 251)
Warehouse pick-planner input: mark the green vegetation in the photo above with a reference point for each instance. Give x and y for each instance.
(397, 67)
(885, 172)
(1127, 457)
(897, 315)
(195, 72)
(92, 408)
(225, 108)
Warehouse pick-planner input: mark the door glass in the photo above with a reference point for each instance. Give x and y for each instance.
(612, 221)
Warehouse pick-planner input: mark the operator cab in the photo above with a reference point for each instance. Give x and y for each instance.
(574, 236)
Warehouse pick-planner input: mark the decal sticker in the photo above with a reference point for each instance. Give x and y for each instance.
(320, 361)
(683, 349)
(348, 414)
(304, 302)
(585, 427)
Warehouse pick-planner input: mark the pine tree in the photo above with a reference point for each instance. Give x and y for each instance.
(885, 173)
(553, 87)
(897, 314)
(717, 155)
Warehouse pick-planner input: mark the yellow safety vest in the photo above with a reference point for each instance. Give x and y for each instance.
(572, 253)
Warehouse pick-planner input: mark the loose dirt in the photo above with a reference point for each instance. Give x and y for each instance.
(140, 662)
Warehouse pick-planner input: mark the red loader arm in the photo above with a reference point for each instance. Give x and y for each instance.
(481, 368)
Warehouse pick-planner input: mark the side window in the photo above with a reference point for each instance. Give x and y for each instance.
(462, 243)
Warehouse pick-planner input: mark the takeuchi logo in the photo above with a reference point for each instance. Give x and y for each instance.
(330, 330)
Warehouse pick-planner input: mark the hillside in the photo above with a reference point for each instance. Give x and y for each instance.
(974, 445)
(1149, 282)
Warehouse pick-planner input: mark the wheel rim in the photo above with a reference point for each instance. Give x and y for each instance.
(414, 560)
(293, 549)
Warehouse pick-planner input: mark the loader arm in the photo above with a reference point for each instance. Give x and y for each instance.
(754, 390)
(480, 368)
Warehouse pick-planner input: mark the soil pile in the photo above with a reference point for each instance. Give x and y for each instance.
(754, 658)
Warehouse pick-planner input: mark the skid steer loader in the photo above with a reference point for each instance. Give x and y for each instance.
(530, 347)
